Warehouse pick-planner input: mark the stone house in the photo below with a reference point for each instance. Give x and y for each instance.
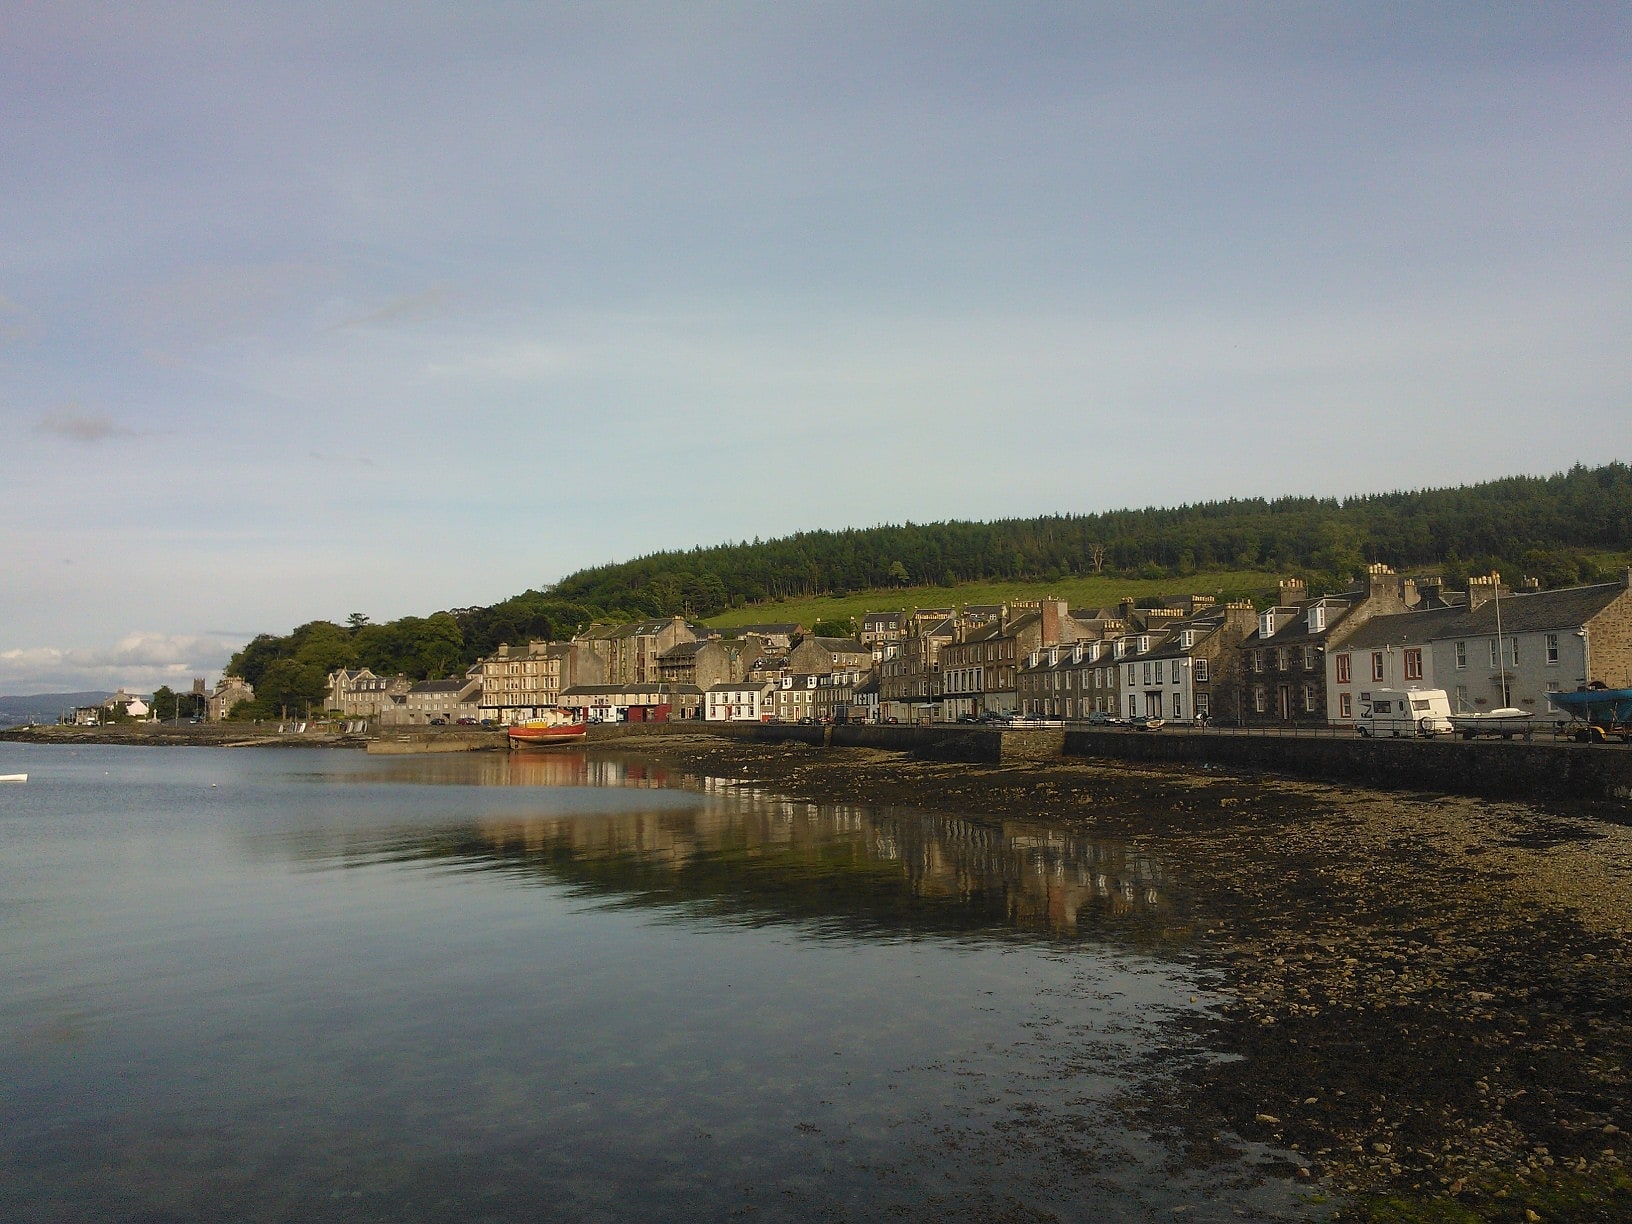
(1188, 668)
(519, 683)
(433, 702)
(1495, 649)
(909, 685)
(359, 693)
(1283, 661)
(710, 661)
(229, 692)
(980, 670)
(821, 655)
(794, 698)
(629, 653)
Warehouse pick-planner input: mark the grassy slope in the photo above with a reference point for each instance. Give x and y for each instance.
(1079, 592)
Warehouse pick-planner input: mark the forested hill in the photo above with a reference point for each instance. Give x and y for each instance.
(1563, 529)
(1546, 527)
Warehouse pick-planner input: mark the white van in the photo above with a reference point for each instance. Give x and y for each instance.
(1404, 712)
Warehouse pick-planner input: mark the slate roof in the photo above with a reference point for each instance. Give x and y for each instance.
(1566, 609)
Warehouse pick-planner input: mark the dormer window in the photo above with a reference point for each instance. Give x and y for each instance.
(1187, 638)
(1317, 619)
(1143, 643)
(1266, 625)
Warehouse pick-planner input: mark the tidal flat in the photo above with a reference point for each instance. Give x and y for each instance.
(1423, 997)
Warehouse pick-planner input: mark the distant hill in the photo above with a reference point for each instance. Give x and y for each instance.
(1564, 529)
(44, 707)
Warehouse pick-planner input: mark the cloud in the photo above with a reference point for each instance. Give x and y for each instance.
(71, 422)
(140, 660)
(407, 308)
(11, 321)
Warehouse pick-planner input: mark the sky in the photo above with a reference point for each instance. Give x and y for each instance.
(308, 310)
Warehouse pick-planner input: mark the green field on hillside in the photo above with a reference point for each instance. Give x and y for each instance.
(1078, 592)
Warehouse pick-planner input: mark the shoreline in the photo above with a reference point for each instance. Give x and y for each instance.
(1425, 993)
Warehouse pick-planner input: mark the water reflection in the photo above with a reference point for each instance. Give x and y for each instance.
(749, 855)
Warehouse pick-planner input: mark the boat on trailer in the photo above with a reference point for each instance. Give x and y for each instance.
(1603, 713)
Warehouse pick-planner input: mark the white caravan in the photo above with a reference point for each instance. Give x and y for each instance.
(1398, 712)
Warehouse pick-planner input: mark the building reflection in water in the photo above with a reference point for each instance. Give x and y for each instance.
(762, 856)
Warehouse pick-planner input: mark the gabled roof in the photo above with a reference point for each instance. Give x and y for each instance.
(1564, 610)
(841, 645)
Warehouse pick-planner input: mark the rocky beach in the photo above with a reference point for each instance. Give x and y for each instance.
(1424, 996)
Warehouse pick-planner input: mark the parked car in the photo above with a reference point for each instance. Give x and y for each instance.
(467, 722)
(1099, 718)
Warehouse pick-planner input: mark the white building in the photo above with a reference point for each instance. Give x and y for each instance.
(739, 701)
(1499, 650)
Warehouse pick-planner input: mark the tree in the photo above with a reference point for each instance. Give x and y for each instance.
(840, 627)
(357, 620)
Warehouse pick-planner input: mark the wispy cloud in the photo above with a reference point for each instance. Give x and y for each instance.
(407, 308)
(11, 321)
(77, 425)
(343, 460)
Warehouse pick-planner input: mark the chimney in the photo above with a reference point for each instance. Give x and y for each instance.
(1292, 591)
(1054, 612)
(1626, 577)
(1482, 589)
(1124, 608)
(1530, 585)
(1377, 575)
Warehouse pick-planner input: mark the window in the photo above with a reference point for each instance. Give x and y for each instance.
(1282, 662)
(1147, 673)
(1376, 665)
(1344, 668)
(1461, 654)
(1317, 618)
(1345, 705)
(1552, 648)
(1310, 699)
(1413, 665)
(1201, 671)
(1495, 654)
(1308, 658)
(1513, 649)
(1203, 705)
(1259, 699)
(1178, 706)
(1257, 660)
(1132, 680)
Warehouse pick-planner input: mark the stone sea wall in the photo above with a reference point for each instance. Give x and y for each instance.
(1487, 768)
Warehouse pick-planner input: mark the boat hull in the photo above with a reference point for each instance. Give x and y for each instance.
(538, 735)
(1604, 707)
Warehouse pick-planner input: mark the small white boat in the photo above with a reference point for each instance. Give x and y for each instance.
(1506, 722)
(13, 777)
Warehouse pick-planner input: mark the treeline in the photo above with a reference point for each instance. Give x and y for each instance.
(1548, 528)
(1545, 527)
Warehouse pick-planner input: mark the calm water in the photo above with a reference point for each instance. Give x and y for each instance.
(304, 985)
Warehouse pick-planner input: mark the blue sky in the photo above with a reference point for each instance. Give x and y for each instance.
(314, 309)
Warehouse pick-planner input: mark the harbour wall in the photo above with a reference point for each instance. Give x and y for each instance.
(1490, 769)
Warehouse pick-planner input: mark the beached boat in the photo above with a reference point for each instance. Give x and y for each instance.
(554, 727)
(13, 777)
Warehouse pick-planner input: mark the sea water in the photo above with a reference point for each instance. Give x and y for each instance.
(308, 985)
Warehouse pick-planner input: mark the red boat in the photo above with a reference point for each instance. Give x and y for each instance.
(556, 727)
